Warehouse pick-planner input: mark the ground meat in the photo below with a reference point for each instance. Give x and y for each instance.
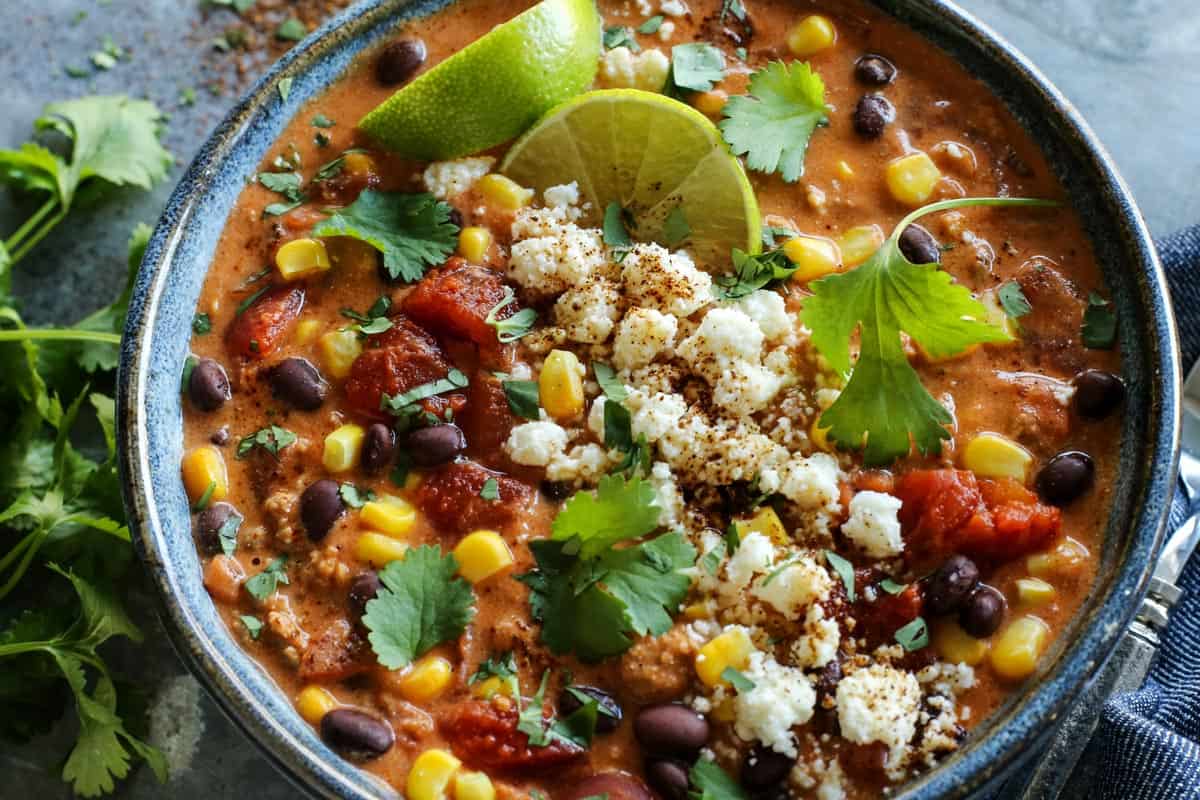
(337, 653)
(659, 669)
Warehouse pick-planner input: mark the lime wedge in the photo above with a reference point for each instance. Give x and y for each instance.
(652, 155)
(495, 87)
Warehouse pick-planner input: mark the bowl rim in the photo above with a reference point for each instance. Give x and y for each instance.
(319, 771)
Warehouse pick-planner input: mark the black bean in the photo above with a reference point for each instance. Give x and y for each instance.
(950, 585)
(671, 729)
(356, 734)
(379, 447)
(1065, 477)
(399, 61)
(436, 444)
(827, 683)
(611, 785)
(363, 589)
(209, 523)
(299, 384)
(320, 506)
(982, 612)
(874, 70)
(609, 716)
(1097, 393)
(208, 385)
(220, 437)
(456, 217)
(668, 777)
(919, 247)
(872, 114)
(556, 490)
(764, 768)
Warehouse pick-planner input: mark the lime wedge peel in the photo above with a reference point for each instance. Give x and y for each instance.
(495, 87)
(651, 154)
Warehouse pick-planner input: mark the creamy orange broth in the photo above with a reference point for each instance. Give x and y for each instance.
(936, 102)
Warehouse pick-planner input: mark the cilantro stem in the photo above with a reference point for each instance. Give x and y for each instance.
(965, 202)
(59, 335)
(29, 244)
(21, 232)
(25, 549)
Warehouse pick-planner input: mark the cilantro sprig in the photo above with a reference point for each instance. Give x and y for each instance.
(413, 231)
(773, 125)
(884, 407)
(514, 326)
(751, 273)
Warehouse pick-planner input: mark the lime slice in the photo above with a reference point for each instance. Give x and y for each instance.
(495, 87)
(652, 155)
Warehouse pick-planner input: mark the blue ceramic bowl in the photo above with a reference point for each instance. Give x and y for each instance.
(168, 286)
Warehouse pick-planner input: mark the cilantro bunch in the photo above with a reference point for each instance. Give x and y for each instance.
(592, 597)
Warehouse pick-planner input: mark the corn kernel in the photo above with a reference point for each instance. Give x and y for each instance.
(859, 243)
(300, 258)
(482, 554)
(560, 386)
(307, 331)
(730, 649)
(473, 243)
(957, 646)
(698, 610)
(710, 104)
(202, 468)
(820, 436)
(358, 165)
(1068, 556)
(379, 550)
(1034, 591)
(812, 256)
(473, 786)
(766, 522)
(314, 702)
(431, 775)
(811, 35)
(426, 679)
(912, 178)
(503, 192)
(845, 171)
(338, 351)
(343, 447)
(490, 687)
(1016, 652)
(391, 515)
(990, 455)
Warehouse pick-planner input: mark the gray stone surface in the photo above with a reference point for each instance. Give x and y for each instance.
(1127, 64)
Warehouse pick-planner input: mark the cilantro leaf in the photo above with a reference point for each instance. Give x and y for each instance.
(1099, 324)
(647, 580)
(914, 635)
(522, 397)
(252, 624)
(619, 510)
(773, 125)
(697, 66)
(613, 387)
(713, 783)
(737, 679)
(620, 36)
(514, 326)
(413, 231)
(353, 496)
(201, 324)
(490, 489)
(264, 584)
(651, 25)
(615, 232)
(883, 402)
(752, 273)
(530, 720)
(402, 404)
(676, 229)
(291, 30)
(422, 604)
(1013, 300)
(618, 427)
(271, 439)
(844, 570)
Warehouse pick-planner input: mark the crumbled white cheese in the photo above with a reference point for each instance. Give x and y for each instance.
(585, 463)
(667, 494)
(873, 526)
(564, 196)
(818, 644)
(726, 349)
(754, 555)
(666, 31)
(811, 483)
(703, 452)
(620, 68)
(643, 334)
(781, 699)
(534, 444)
(767, 310)
(595, 417)
(674, 8)
(879, 704)
(793, 587)
(668, 282)
(654, 415)
(445, 179)
(831, 787)
(549, 264)
(588, 313)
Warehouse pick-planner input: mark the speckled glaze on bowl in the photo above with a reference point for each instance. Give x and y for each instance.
(159, 328)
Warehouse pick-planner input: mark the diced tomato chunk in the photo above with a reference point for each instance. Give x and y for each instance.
(487, 419)
(450, 498)
(336, 654)
(888, 613)
(455, 301)
(401, 358)
(258, 330)
(486, 737)
(949, 511)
